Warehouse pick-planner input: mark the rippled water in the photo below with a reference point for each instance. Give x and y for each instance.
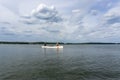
(74, 62)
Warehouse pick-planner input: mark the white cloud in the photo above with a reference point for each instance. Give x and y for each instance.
(99, 27)
(76, 11)
(43, 14)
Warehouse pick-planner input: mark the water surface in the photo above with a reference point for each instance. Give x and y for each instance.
(74, 62)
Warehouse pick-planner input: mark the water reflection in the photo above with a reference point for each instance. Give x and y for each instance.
(54, 55)
(56, 51)
(53, 63)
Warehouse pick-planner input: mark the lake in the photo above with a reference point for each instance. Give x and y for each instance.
(73, 62)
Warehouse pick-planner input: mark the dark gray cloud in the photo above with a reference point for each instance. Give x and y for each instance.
(26, 17)
(28, 22)
(6, 29)
(94, 12)
(8, 34)
(114, 20)
(113, 15)
(28, 31)
(4, 22)
(51, 30)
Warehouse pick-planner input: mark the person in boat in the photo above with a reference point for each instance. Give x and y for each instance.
(57, 44)
(45, 44)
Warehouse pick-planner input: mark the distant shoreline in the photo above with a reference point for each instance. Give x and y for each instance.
(5, 42)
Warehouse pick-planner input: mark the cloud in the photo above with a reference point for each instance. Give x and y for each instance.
(97, 26)
(5, 23)
(76, 11)
(113, 15)
(51, 30)
(6, 31)
(94, 12)
(43, 14)
(76, 21)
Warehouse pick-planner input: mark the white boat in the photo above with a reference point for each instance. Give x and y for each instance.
(52, 46)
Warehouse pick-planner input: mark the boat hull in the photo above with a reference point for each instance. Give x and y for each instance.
(52, 46)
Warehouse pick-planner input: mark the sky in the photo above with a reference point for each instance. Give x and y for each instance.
(60, 20)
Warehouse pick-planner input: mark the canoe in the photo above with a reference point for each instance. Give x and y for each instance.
(52, 46)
